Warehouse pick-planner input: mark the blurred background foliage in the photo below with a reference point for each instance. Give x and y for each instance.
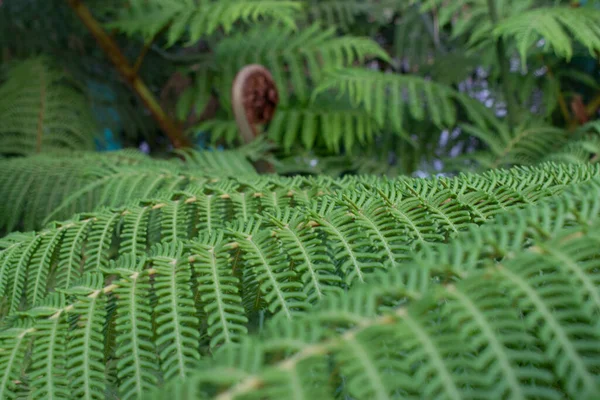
(365, 86)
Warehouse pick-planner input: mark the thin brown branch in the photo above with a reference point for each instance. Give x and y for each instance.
(142, 55)
(562, 103)
(146, 49)
(110, 48)
(579, 111)
(593, 106)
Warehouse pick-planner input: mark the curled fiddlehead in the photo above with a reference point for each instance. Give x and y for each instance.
(254, 99)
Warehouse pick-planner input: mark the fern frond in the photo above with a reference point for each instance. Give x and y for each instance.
(470, 20)
(360, 232)
(219, 292)
(41, 265)
(14, 343)
(390, 99)
(70, 255)
(424, 326)
(46, 187)
(176, 316)
(582, 147)
(527, 144)
(277, 282)
(306, 55)
(138, 364)
(197, 19)
(557, 26)
(335, 127)
(349, 248)
(85, 349)
(259, 277)
(336, 12)
(307, 253)
(50, 378)
(39, 110)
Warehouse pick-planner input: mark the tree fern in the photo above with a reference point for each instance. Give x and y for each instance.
(182, 279)
(190, 275)
(423, 326)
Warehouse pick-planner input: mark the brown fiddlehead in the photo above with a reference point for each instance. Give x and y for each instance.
(254, 99)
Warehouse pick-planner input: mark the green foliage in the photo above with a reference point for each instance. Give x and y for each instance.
(350, 75)
(557, 26)
(180, 17)
(46, 187)
(288, 54)
(41, 110)
(200, 266)
(422, 98)
(527, 144)
(473, 319)
(187, 274)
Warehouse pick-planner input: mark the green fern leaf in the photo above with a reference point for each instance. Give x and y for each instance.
(176, 314)
(557, 26)
(39, 110)
(12, 354)
(138, 363)
(198, 19)
(276, 280)
(219, 292)
(49, 361)
(85, 349)
(307, 253)
(385, 97)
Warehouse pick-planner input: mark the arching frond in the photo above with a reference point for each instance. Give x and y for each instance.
(305, 241)
(57, 186)
(305, 54)
(196, 19)
(330, 124)
(557, 26)
(40, 110)
(475, 327)
(528, 143)
(389, 98)
(583, 146)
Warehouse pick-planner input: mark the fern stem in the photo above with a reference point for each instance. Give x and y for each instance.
(562, 103)
(593, 106)
(504, 68)
(128, 72)
(432, 29)
(141, 56)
